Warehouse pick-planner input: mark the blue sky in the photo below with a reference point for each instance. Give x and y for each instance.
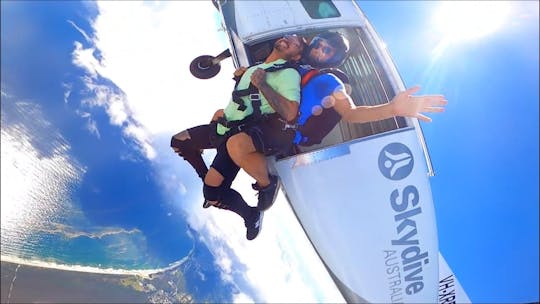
(112, 93)
(484, 147)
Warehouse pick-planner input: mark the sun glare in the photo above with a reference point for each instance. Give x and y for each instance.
(468, 20)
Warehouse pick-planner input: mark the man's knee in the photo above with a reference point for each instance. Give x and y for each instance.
(178, 140)
(182, 144)
(184, 135)
(239, 144)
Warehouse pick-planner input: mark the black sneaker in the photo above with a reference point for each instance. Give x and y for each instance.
(268, 194)
(254, 225)
(206, 204)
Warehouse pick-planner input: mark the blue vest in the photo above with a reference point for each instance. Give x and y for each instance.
(313, 128)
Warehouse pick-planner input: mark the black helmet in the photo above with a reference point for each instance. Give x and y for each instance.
(335, 39)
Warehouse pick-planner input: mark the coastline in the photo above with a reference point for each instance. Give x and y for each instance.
(27, 283)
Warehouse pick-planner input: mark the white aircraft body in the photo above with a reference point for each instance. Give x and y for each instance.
(362, 196)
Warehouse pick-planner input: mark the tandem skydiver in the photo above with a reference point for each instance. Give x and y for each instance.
(266, 96)
(324, 103)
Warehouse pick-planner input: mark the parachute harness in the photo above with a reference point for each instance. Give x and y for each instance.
(255, 97)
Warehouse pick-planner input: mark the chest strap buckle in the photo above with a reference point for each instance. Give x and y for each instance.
(255, 96)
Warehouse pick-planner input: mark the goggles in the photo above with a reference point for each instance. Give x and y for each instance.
(317, 43)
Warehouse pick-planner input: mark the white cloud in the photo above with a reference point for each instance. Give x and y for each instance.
(91, 125)
(84, 58)
(242, 298)
(145, 49)
(144, 141)
(67, 87)
(148, 53)
(114, 103)
(83, 33)
(117, 111)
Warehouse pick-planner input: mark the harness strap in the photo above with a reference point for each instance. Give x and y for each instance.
(240, 125)
(253, 92)
(256, 103)
(287, 125)
(307, 77)
(255, 97)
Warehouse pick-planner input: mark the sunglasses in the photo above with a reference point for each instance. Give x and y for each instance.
(317, 42)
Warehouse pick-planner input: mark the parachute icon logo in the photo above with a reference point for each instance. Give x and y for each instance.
(396, 161)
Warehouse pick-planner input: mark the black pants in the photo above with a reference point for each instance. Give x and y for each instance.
(267, 135)
(192, 141)
(190, 144)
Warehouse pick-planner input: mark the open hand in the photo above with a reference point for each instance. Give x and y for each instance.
(412, 106)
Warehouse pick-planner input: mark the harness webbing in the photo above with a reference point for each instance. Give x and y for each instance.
(253, 92)
(255, 97)
(307, 77)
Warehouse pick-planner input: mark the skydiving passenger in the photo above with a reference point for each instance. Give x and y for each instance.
(326, 93)
(266, 97)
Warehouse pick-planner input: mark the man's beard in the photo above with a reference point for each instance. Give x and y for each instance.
(307, 59)
(278, 46)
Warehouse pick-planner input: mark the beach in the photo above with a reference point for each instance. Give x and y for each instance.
(28, 284)
(22, 283)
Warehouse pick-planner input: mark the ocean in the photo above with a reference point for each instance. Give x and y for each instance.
(76, 198)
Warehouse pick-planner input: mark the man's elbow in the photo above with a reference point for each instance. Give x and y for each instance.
(292, 112)
(290, 117)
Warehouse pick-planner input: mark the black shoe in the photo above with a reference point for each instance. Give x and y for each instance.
(254, 225)
(268, 194)
(206, 204)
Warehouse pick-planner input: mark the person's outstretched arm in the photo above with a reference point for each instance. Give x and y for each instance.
(403, 104)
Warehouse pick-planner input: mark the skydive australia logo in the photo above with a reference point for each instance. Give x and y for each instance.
(405, 260)
(396, 161)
